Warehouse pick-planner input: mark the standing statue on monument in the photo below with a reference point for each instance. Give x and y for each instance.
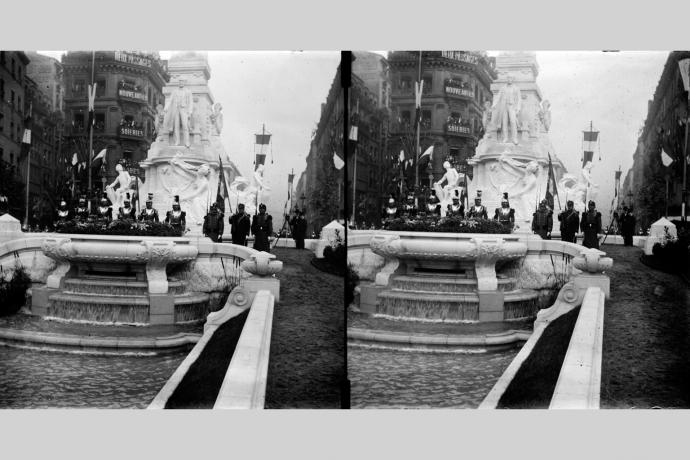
(545, 114)
(217, 118)
(124, 181)
(451, 178)
(506, 108)
(178, 112)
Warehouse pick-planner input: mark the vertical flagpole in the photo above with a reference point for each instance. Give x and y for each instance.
(90, 153)
(28, 175)
(419, 122)
(684, 194)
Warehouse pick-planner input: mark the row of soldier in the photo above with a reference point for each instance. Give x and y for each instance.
(103, 213)
(542, 219)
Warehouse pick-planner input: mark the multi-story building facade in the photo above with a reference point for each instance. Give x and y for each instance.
(129, 87)
(12, 75)
(456, 87)
(665, 128)
(370, 163)
(320, 189)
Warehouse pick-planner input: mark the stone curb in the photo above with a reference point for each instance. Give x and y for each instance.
(12, 337)
(501, 338)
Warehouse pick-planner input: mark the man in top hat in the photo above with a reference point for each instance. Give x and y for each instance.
(213, 224)
(126, 211)
(63, 215)
(177, 218)
(149, 214)
(104, 213)
(570, 223)
(591, 226)
(262, 228)
(627, 223)
(456, 208)
(81, 212)
(542, 221)
(299, 229)
(478, 211)
(239, 226)
(433, 205)
(391, 208)
(505, 214)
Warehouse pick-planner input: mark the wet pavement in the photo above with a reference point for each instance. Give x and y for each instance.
(646, 349)
(42, 379)
(392, 377)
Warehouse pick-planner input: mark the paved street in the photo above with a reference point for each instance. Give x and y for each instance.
(307, 362)
(646, 351)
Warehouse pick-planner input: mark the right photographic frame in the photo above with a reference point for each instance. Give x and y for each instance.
(517, 229)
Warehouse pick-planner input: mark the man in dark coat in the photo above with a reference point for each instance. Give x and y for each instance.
(456, 209)
(591, 226)
(104, 213)
(433, 205)
(627, 223)
(239, 226)
(127, 212)
(505, 214)
(262, 229)
(299, 229)
(542, 221)
(81, 212)
(570, 223)
(213, 224)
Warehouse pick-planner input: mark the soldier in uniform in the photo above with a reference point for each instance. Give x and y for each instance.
(213, 224)
(542, 221)
(409, 209)
(262, 228)
(239, 226)
(570, 223)
(62, 213)
(177, 218)
(627, 222)
(391, 209)
(478, 211)
(149, 214)
(299, 229)
(433, 205)
(127, 211)
(81, 212)
(104, 213)
(505, 214)
(591, 226)
(456, 209)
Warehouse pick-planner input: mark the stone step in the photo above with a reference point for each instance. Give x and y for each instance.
(450, 284)
(111, 286)
(461, 306)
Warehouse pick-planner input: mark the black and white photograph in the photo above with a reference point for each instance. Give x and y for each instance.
(517, 230)
(170, 230)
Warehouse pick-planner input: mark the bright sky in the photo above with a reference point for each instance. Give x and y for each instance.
(284, 91)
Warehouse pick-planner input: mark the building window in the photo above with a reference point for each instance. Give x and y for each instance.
(150, 95)
(2, 122)
(78, 87)
(2, 57)
(12, 98)
(11, 130)
(13, 69)
(2, 88)
(78, 122)
(405, 83)
(427, 84)
(100, 87)
(19, 104)
(99, 122)
(406, 117)
(426, 119)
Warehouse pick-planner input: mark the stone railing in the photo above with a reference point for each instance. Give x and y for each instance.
(244, 385)
(579, 383)
(585, 345)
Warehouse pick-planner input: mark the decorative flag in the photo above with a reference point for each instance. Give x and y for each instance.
(418, 89)
(551, 189)
(92, 100)
(618, 182)
(666, 158)
(260, 159)
(222, 192)
(101, 155)
(75, 160)
(26, 139)
(587, 158)
(338, 162)
(591, 136)
(684, 66)
(429, 152)
(401, 157)
(263, 139)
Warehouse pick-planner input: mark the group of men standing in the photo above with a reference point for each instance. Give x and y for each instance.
(261, 226)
